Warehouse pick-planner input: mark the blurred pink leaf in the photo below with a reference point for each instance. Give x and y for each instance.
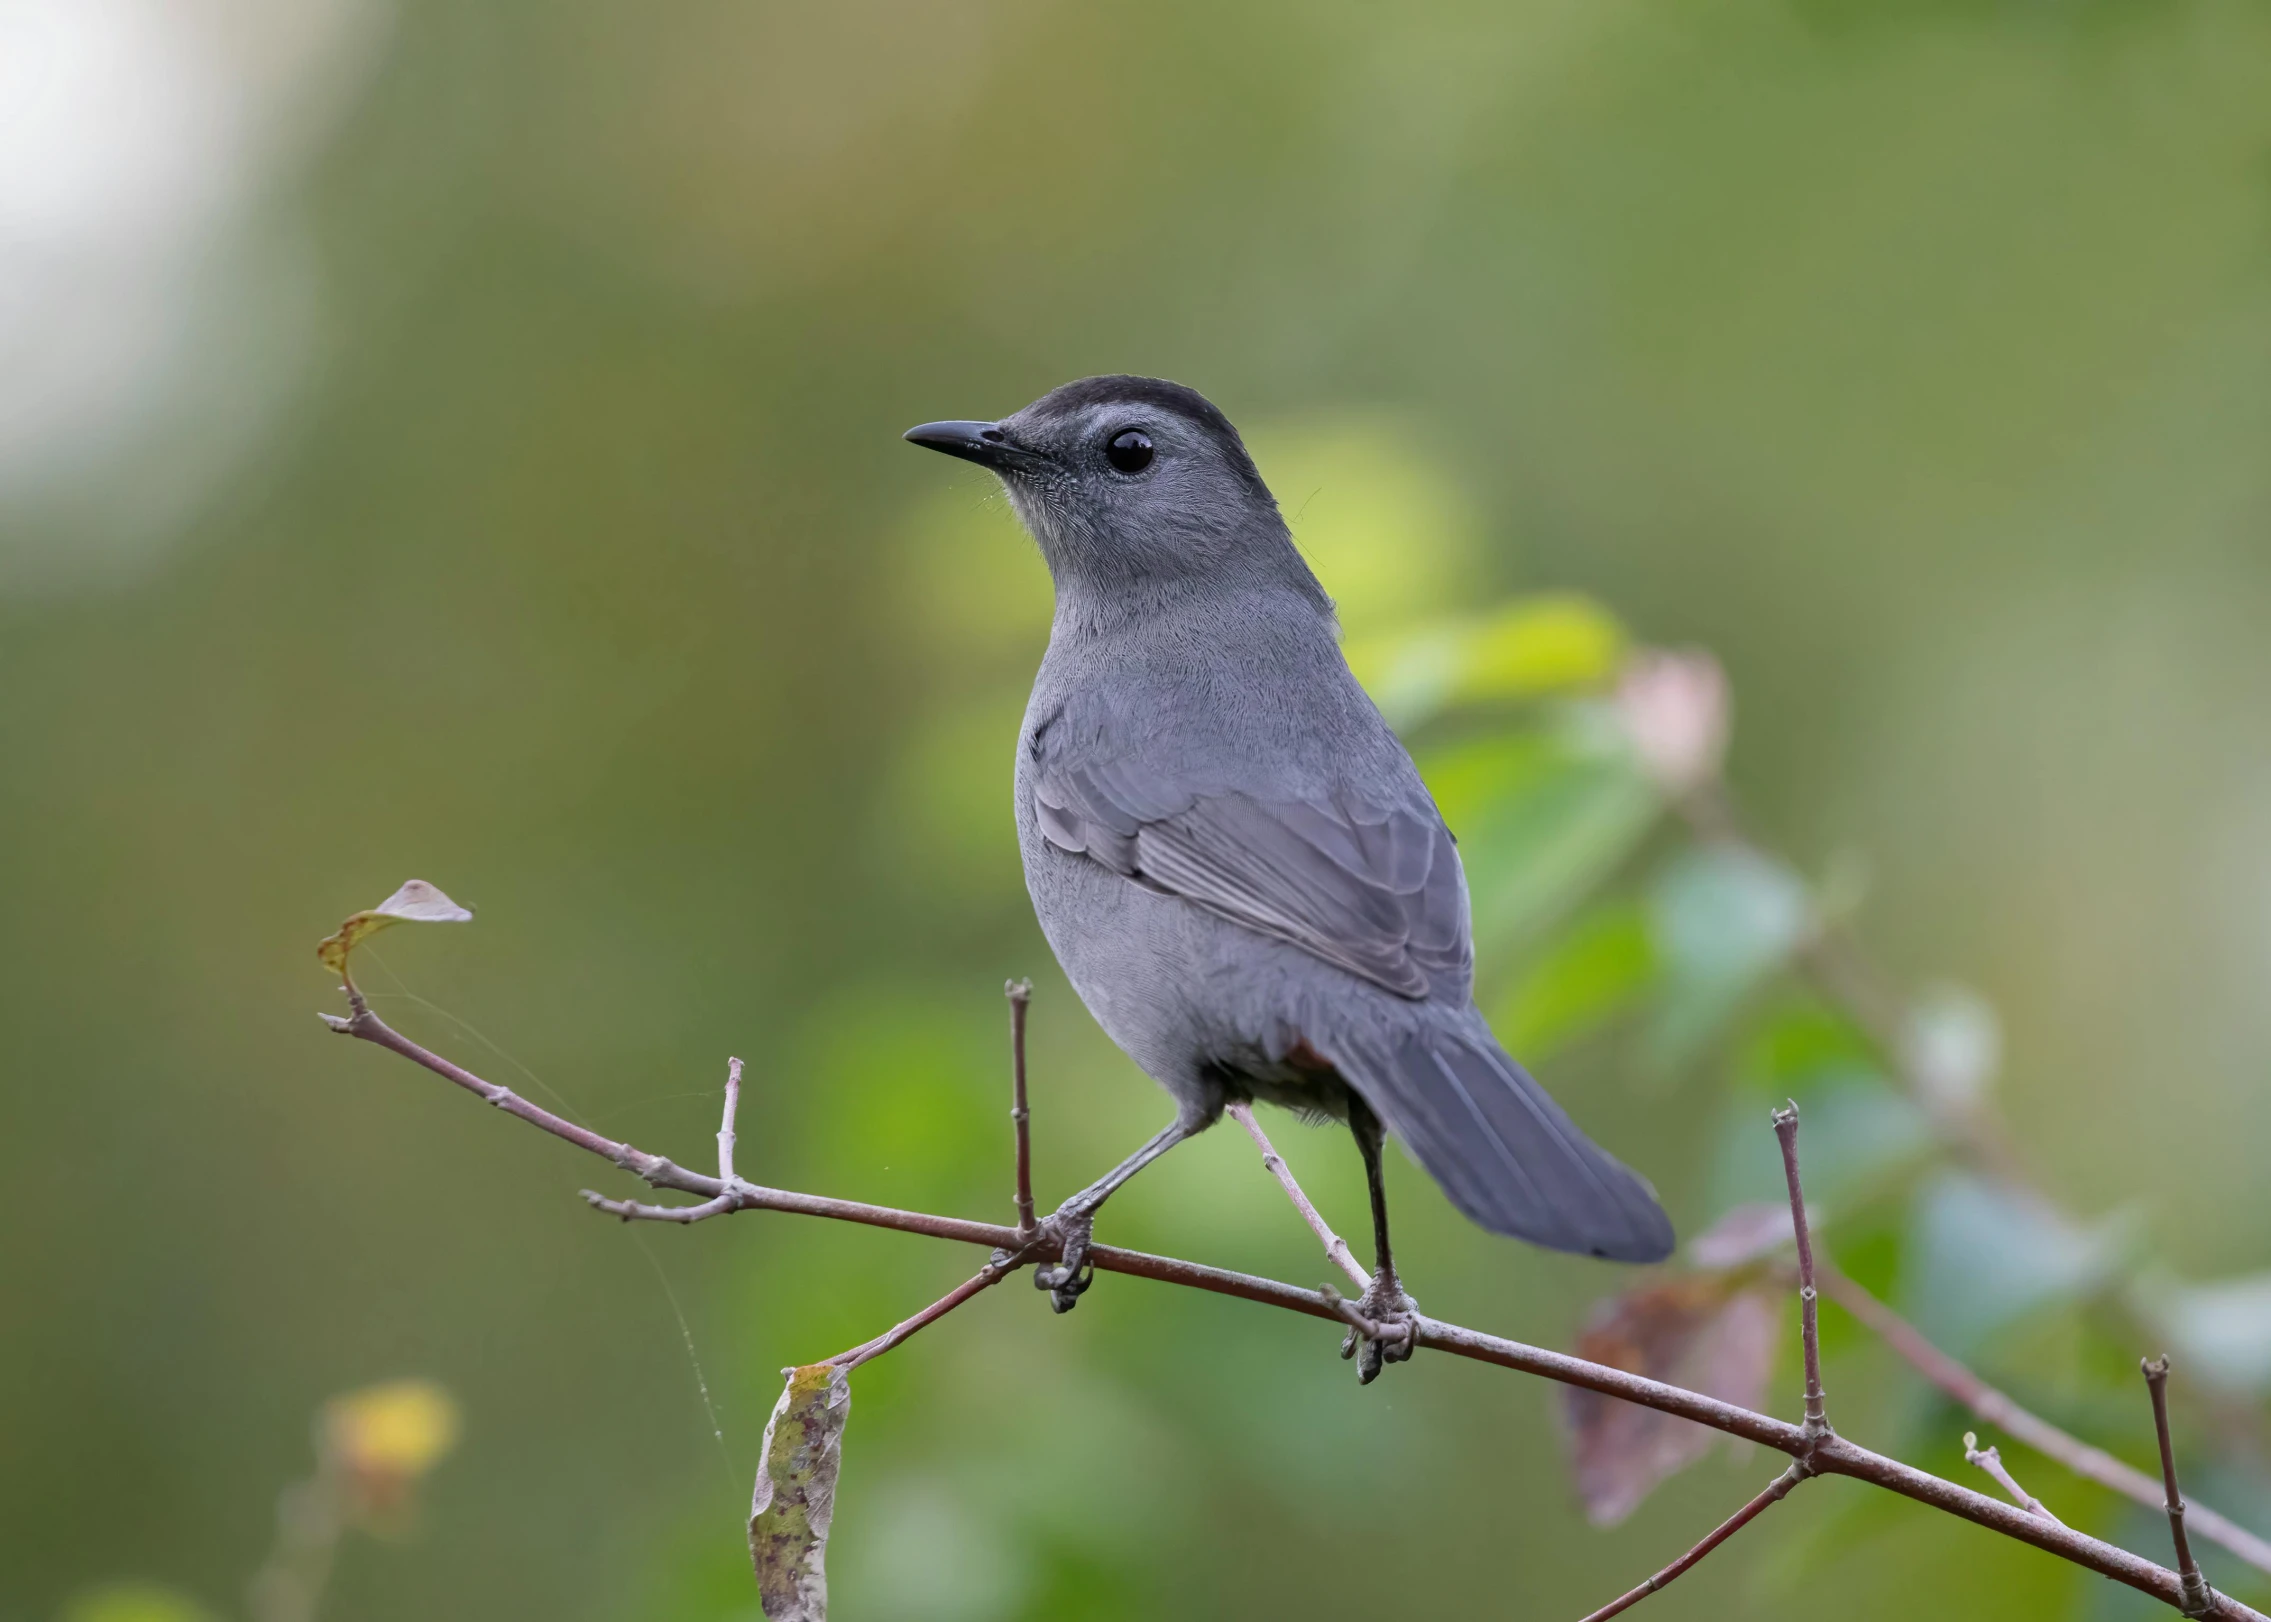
(1675, 708)
(1748, 1233)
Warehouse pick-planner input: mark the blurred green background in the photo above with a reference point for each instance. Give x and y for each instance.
(460, 440)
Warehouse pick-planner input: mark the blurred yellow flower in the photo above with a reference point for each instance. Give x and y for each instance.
(383, 1438)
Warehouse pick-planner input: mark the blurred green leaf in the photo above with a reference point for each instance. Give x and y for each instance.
(795, 1497)
(1800, 1042)
(2223, 1327)
(1388, 528)
(1532, 647)
(1594, 970)
(1857, 1131)
(936, 1548)
(1855, 1134)
(134, 1602)
(417, 902)
(1981, 1255)
(1724, 919)
(1542, 816)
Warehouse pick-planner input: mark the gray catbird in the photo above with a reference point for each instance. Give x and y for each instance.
(1234, 858)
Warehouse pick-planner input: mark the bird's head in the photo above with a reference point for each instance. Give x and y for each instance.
(1133, 484)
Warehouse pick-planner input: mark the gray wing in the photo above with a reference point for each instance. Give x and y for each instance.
(1375, 889)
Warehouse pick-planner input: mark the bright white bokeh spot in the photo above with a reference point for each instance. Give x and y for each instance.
(137, 140)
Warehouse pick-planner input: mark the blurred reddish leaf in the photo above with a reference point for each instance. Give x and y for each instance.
(1710, 1332)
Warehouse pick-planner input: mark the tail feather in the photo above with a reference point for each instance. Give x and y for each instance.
(1502, 1149)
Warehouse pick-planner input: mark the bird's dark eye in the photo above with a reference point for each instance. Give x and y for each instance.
(1129, 452)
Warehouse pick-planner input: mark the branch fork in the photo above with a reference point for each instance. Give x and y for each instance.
(1991, 1460)
(1812, 1447)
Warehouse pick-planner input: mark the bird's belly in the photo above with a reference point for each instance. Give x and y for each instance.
(1210, 1009)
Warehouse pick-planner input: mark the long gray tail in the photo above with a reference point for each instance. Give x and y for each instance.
(1501, 1147)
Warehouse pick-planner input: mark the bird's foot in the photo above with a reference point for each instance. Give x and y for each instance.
(1389, 1332)
(1068, 1278)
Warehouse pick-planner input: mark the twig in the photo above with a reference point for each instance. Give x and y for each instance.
(1827, 1454)
(1020, 994)
(726, 1138)
(1774, 1492)
(633, 1211)
(1809, 1308)
(986, 1278)
(2197, 1594)
(1997, 1409)
(309, 1521)
(1405, 1334)
(1336, 1248)
(1991, 1460)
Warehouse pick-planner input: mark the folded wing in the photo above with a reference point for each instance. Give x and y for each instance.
(1375, 889)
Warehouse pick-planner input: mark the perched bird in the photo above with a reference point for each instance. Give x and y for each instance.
(1232, 855)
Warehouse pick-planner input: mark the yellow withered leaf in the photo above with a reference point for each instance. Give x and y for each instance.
(417, 902)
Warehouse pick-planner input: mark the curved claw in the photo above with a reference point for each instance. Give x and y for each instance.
(1068, 1279)
(1387, 1307)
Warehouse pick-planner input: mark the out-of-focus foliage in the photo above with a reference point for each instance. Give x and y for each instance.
(374, 1446)
(1530, 647)
(480, 459)
(133, 1602)
(1710, 1332)
(381, 1441)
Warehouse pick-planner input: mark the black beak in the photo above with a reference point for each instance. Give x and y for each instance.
(979, 442)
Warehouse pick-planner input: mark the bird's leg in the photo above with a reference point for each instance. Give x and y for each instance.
(1074, 1220)
(1384, 1302)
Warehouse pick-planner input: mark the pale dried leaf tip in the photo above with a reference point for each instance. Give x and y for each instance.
(420, 902)
(795, 1497)
(417, 902)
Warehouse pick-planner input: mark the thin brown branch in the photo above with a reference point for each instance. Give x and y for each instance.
(2000, 1411)
(726, 1139)
(1809, 1303)
(985, 1279)
(1827, 1454)
(1336, 1248)
(1774, 1492)
(1020, 995)
(1990, 1460)
(2197, 1593)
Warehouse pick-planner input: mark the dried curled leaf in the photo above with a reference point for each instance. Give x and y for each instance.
(1711, 1332)
(796, 1493)
(417, 902)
